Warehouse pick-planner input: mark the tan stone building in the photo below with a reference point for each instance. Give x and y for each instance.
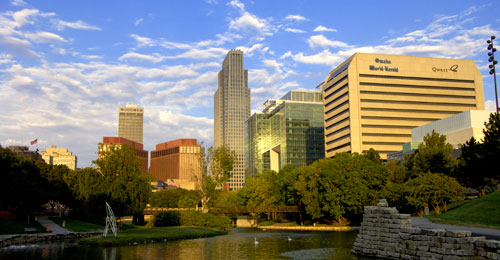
(59, 156)
(231, 110)
(108, 142)
(177, 161)
(375, 100)
(130, 123)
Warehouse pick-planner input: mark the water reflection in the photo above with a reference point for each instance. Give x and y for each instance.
(238, 244)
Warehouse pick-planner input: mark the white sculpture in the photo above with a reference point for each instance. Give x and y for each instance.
(110, 221)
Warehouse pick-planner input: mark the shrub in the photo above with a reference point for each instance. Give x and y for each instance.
(196, 218)
(190, 218)
(166, 219)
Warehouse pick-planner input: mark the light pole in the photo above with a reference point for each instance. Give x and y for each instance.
(492, 65)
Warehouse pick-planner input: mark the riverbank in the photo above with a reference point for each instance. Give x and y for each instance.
(151, 235)
(310, 228)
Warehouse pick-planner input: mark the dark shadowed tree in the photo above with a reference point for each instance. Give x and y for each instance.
(123, 180)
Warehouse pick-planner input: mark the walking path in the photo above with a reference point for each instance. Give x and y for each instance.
(56, 229)
(487, 232)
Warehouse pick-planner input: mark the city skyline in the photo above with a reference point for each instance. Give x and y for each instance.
(66, 67)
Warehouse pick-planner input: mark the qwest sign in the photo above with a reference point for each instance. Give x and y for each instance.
(453, 68)
(381, 67)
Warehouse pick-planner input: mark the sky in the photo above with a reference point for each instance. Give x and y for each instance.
(66, 66)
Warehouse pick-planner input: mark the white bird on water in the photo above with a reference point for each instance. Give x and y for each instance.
(255, 241)
(289, 239)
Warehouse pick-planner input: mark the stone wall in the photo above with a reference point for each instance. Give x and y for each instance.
(18, 239)
(385, 233)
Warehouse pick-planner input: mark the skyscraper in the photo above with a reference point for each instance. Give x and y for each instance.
(231, 109)
(130, 122)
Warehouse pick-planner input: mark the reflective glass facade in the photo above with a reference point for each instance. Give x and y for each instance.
(290, 133)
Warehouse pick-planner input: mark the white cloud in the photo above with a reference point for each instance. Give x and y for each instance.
(290, 85)
(324, 58)
(18, 3)
(143, 41)
(491, 104)
(295, 17)
(138, 21)
(44, 37)
(322, 28)
(238, 4)
(286, 55)
(250, 23)
(322, 42)
(167, 72)
(293, 30)
(133, 56)
(81, 25)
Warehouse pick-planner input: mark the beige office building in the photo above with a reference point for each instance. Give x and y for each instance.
(59, 156)
(231, 110)
(375, 100)
(130, 122)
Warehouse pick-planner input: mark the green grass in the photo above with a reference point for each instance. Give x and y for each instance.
(17, 227)
(159, 234)
(77, 225)
(483, 212)
(267, 223)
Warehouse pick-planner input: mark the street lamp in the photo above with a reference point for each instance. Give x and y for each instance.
(492, 65)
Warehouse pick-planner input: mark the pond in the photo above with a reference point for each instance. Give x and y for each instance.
(238, 244)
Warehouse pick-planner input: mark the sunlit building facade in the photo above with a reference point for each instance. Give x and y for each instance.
(177, 161)
(289, 131)
(231, 109)
(375, 100)
(59, 156)
(130, 122)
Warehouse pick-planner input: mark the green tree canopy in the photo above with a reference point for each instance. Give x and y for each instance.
(340, 187)
(433, 155)
(433, 189)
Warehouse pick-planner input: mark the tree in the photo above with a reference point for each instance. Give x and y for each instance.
(340, 187)
(217, 165)
(123, 180)
(22, 189)
(434, 155)
(433, 189)
(373, 155)
(473, 170)
(263, 189)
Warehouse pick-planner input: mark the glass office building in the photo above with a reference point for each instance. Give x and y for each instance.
(289, 131)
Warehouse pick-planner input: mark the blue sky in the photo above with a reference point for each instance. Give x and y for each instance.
(66, 66)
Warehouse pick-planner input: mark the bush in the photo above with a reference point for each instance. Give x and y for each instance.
(190, 218)
(166, 219)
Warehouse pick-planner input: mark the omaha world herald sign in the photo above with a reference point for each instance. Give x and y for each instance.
(381, 67)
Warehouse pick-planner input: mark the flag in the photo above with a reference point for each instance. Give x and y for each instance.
(34, 142)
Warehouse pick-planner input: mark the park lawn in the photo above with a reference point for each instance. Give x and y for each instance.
(150, 235)
(483, 212)
(17, 227)
(77, 225)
